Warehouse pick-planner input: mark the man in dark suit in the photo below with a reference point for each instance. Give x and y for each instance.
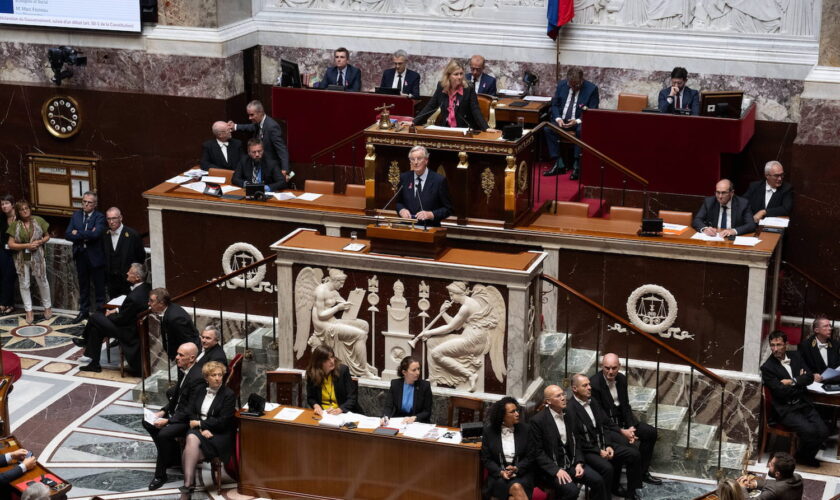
(483, 84)
(123, 247)
(558, 456)
(424, 194)
(176, 326)
(609, 388)
(85, 230)
(573, 96)
(257, 169)
(601, 443)
(342, 74)
(163, 432)
(24, 464)
(724, 214)
(399, 77)
(678, 97)
(770, 197)
(819, 351)
(120, 324)
(788, 378)
(266, 130)
(211, 349)
(223, 151)
(787, 485)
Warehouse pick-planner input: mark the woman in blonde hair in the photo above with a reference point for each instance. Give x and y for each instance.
(731, 490)
(456, 100)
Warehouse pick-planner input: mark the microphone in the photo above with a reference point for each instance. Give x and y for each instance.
(394, 197)
(420, 201)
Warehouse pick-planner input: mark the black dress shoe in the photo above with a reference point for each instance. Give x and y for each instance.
(634, 496)
(80, 342)
(113, 343)
(558, 168)
(81, 317)
(575, 175)
(651, 480)
(93, 367)
(157, 482)
(186, 489)
(620, 492)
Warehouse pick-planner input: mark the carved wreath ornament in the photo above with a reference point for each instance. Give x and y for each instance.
(652, 308)
(239, 255)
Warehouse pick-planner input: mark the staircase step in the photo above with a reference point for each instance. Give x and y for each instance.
(731, 458)
(702, 437)
(670, 419)
(642, 400)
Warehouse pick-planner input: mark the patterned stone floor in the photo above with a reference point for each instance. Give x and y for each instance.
(87, 429)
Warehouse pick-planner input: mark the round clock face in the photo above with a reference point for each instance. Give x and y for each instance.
(62, 116)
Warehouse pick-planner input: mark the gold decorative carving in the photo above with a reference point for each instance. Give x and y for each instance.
(492, 121)
(522, 177)
(510, 186)
(394, 174)
(462, 160)
(370, 178)
(488, 183)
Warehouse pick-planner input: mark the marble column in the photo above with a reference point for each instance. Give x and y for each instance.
(285, 311)
(551, 267)
(517, 354)
(156, 243)
(830, 34)
(202, 13)
(820, 103)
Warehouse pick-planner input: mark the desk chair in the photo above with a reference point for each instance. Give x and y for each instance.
(221, 172)
(573, 208)
(286, 384)
(320, 187)
(773, 428)
(671, 217)
(355, 190)
(626, 213)
(465, 409)
(632, 102)
(487, 104)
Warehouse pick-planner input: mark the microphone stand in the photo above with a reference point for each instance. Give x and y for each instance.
(389, 201)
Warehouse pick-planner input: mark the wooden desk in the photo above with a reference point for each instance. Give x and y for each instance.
(304, 460)
(533, 113)
(10, 444)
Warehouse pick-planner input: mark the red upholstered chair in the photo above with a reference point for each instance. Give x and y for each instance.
(768, 427)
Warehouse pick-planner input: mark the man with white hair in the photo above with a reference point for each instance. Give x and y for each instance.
(424, 195)
(400, 77)
(770, 197)
(222, 151)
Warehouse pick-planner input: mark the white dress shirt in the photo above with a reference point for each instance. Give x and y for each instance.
(823, 350)
(728, 215)
(223, 146)
(613, 391)
(208, 401)
(588, 408)
(508, 444)
(786, 364)
(768, 193)
(115, 236)
(395, 83)
(571, 102)
(560, 423)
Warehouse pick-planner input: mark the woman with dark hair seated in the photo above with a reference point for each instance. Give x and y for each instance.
(212, 426)
(329, 387)
(409, 396)
(505, 452)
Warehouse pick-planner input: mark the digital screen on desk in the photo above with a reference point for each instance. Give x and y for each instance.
(107, 15)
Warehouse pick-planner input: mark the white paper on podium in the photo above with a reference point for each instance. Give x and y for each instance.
(705, 237)
(196, 186)
(746, 241)
(288, 414)
(451, 437)
(179, 179)
(284, 196)
(774, 222)
(309, 196)
(673, 227)
(537, 98)
(227, 188)
(368, 423)
(462, 130)
(213, 178)
(195, 172)
(417, 430)
(510, 92)
(334, 421)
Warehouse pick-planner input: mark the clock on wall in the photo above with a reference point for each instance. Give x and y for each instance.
(62, 116)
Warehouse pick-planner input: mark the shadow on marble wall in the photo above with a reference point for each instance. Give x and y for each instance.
(777, 99)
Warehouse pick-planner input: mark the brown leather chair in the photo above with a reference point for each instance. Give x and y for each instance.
(320, 187)
(573, 208)
(485, 104)
(288, 387)
(626, 213)
(465, 409)
(632, 102)
(671, 217)
(769, 428)
(221, 172)
(355, 190)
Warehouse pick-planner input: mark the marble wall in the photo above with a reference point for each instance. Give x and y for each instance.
(830, 34)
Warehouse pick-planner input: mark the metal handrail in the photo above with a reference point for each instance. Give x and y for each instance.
(601, 156)
(645, 335)
(811, 279)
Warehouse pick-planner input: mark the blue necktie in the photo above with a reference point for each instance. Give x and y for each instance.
(723, 222)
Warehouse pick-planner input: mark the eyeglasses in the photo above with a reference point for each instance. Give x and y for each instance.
(416, 160)
(721, 193)
(86, 202)
(776, 176)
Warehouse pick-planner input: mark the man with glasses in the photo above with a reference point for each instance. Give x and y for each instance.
(85, 230)
(123, 247)
(724, 214)
(483, 84)
(424, 195)
(770, 197)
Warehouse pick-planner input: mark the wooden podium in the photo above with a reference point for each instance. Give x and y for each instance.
(407, 240)
(489, 178)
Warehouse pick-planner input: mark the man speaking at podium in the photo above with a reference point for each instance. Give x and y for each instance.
(424, 194)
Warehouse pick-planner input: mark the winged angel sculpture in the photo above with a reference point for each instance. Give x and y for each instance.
(317, 301)
(456, 360)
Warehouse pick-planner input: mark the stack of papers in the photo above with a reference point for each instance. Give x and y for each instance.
(195, 172)
(309, 196)
(196, 186)
(418, 430)
(746, 241)
(451, 437)
(284, 196)
(213, 179)
(288, 414)
(774, 222)
(705, 237)
(669, 228)
(179, 179)
(509, 92)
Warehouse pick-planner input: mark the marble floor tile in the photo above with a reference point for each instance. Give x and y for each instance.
(83, 447)
(101, 481)
(674, 490)
(118, 418)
